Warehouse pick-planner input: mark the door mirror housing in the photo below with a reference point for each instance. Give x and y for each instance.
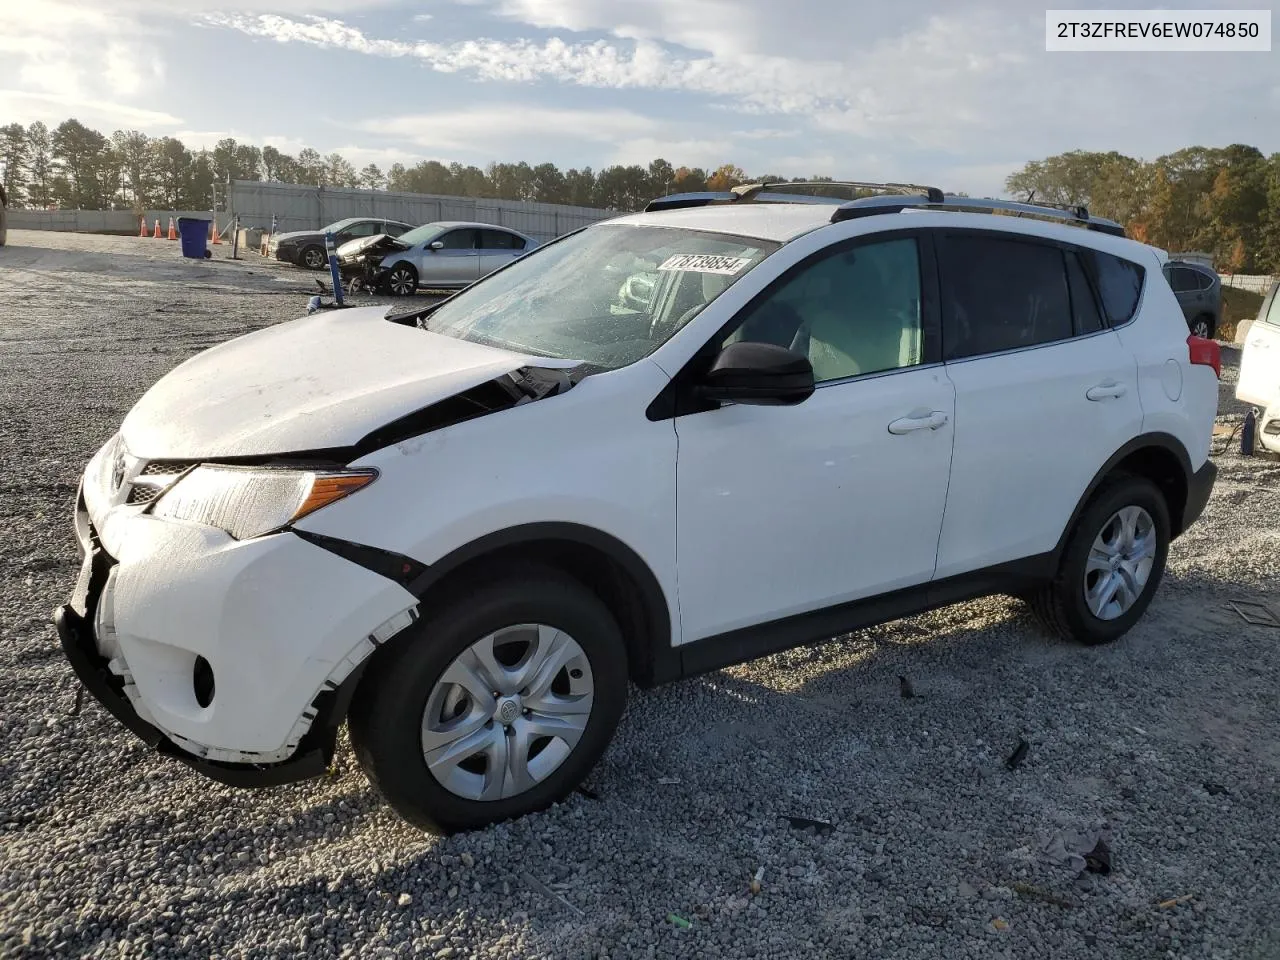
(758, 373)
(435, 245)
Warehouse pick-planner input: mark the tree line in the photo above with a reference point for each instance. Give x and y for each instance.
(1222, 201)
(77, 167)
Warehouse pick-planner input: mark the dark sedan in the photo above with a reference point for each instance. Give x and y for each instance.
(306, 247)
(1199, 292)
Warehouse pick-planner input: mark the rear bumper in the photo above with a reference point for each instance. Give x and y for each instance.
(1199, 489)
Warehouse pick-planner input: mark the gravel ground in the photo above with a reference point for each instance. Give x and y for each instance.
(935, 848)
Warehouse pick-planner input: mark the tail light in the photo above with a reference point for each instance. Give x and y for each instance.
(1205, 352)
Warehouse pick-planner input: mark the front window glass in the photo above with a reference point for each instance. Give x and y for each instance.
(852, 312)
(607, 295)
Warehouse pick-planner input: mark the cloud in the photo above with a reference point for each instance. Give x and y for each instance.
(54, 108)
(493, 127)
(968, 82)
(767, 82)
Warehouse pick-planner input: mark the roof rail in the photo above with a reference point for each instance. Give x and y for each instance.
(1069, 213)
(933, 194)
(765, 193)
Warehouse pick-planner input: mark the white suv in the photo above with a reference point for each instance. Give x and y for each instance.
(673, 441)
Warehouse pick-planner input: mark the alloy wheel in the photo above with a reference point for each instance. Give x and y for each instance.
(401, 283)
(313, 259)
(1120, 562)
(507, 712)
(1201, 328)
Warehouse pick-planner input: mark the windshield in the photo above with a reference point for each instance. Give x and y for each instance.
(337, 226)
(420, 234)
(607, 295)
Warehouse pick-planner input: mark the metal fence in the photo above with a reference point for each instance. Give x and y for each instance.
(1254, 283)
(97, 221)
(308, 208)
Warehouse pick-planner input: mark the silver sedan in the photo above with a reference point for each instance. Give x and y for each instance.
(444, 255)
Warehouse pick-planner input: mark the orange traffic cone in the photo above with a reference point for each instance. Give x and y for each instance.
(157, 234)
(173, 229)
(214, 230)
(142, 226)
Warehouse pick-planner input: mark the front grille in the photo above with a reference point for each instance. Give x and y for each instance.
(142, 493)
(167, 467)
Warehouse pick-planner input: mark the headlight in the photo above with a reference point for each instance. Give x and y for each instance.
(248, 502)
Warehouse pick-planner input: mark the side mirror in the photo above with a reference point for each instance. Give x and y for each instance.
(436, 245)
(758, 373)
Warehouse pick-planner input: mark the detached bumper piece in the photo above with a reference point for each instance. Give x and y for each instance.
(74, 623)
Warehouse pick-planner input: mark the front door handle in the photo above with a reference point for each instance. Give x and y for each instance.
(930, 421)
(1106, 391)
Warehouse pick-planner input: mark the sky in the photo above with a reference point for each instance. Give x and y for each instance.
(956, 93)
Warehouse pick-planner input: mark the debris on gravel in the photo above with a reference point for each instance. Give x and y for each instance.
(1168, 739)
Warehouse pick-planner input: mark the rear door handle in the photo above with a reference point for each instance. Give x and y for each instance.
(929, 421)
(1106, 391)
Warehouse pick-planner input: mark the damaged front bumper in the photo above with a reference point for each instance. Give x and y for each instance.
(140, 672)
(74, 623)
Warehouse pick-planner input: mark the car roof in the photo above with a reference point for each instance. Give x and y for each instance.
(1194, 265)
(779, 222)
(469, 224)
(782, 222)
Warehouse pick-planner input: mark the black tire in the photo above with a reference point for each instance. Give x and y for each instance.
(313, 257)
(1060, 605)
(401, 280)
(387, 711)
(1203, 326)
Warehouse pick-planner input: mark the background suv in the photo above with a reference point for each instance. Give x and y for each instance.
(1199, 293)
(457, 527)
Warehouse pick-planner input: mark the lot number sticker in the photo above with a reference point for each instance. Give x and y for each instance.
(705, 263)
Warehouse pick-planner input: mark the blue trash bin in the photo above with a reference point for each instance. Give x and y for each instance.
(194, 235)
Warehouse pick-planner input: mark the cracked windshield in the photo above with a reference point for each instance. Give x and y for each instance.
(606, 296)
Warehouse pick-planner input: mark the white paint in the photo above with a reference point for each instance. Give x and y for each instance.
(780, 510)
(323, 381)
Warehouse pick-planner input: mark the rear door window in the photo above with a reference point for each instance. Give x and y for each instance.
(499, 240)
(1000, 294)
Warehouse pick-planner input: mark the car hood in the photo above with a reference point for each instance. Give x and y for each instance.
(322, 382)
(382, 243)
(297, 235)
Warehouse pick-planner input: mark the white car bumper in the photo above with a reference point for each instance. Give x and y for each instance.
(279, 623)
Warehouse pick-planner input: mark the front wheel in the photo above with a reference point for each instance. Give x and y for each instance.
(494, 706)
(313, 258)
(1112, 564)
(402, 281)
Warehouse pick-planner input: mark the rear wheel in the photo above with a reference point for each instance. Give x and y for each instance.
(494, 706)
(1202, 326)
(402, 281)
(1112, 565)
